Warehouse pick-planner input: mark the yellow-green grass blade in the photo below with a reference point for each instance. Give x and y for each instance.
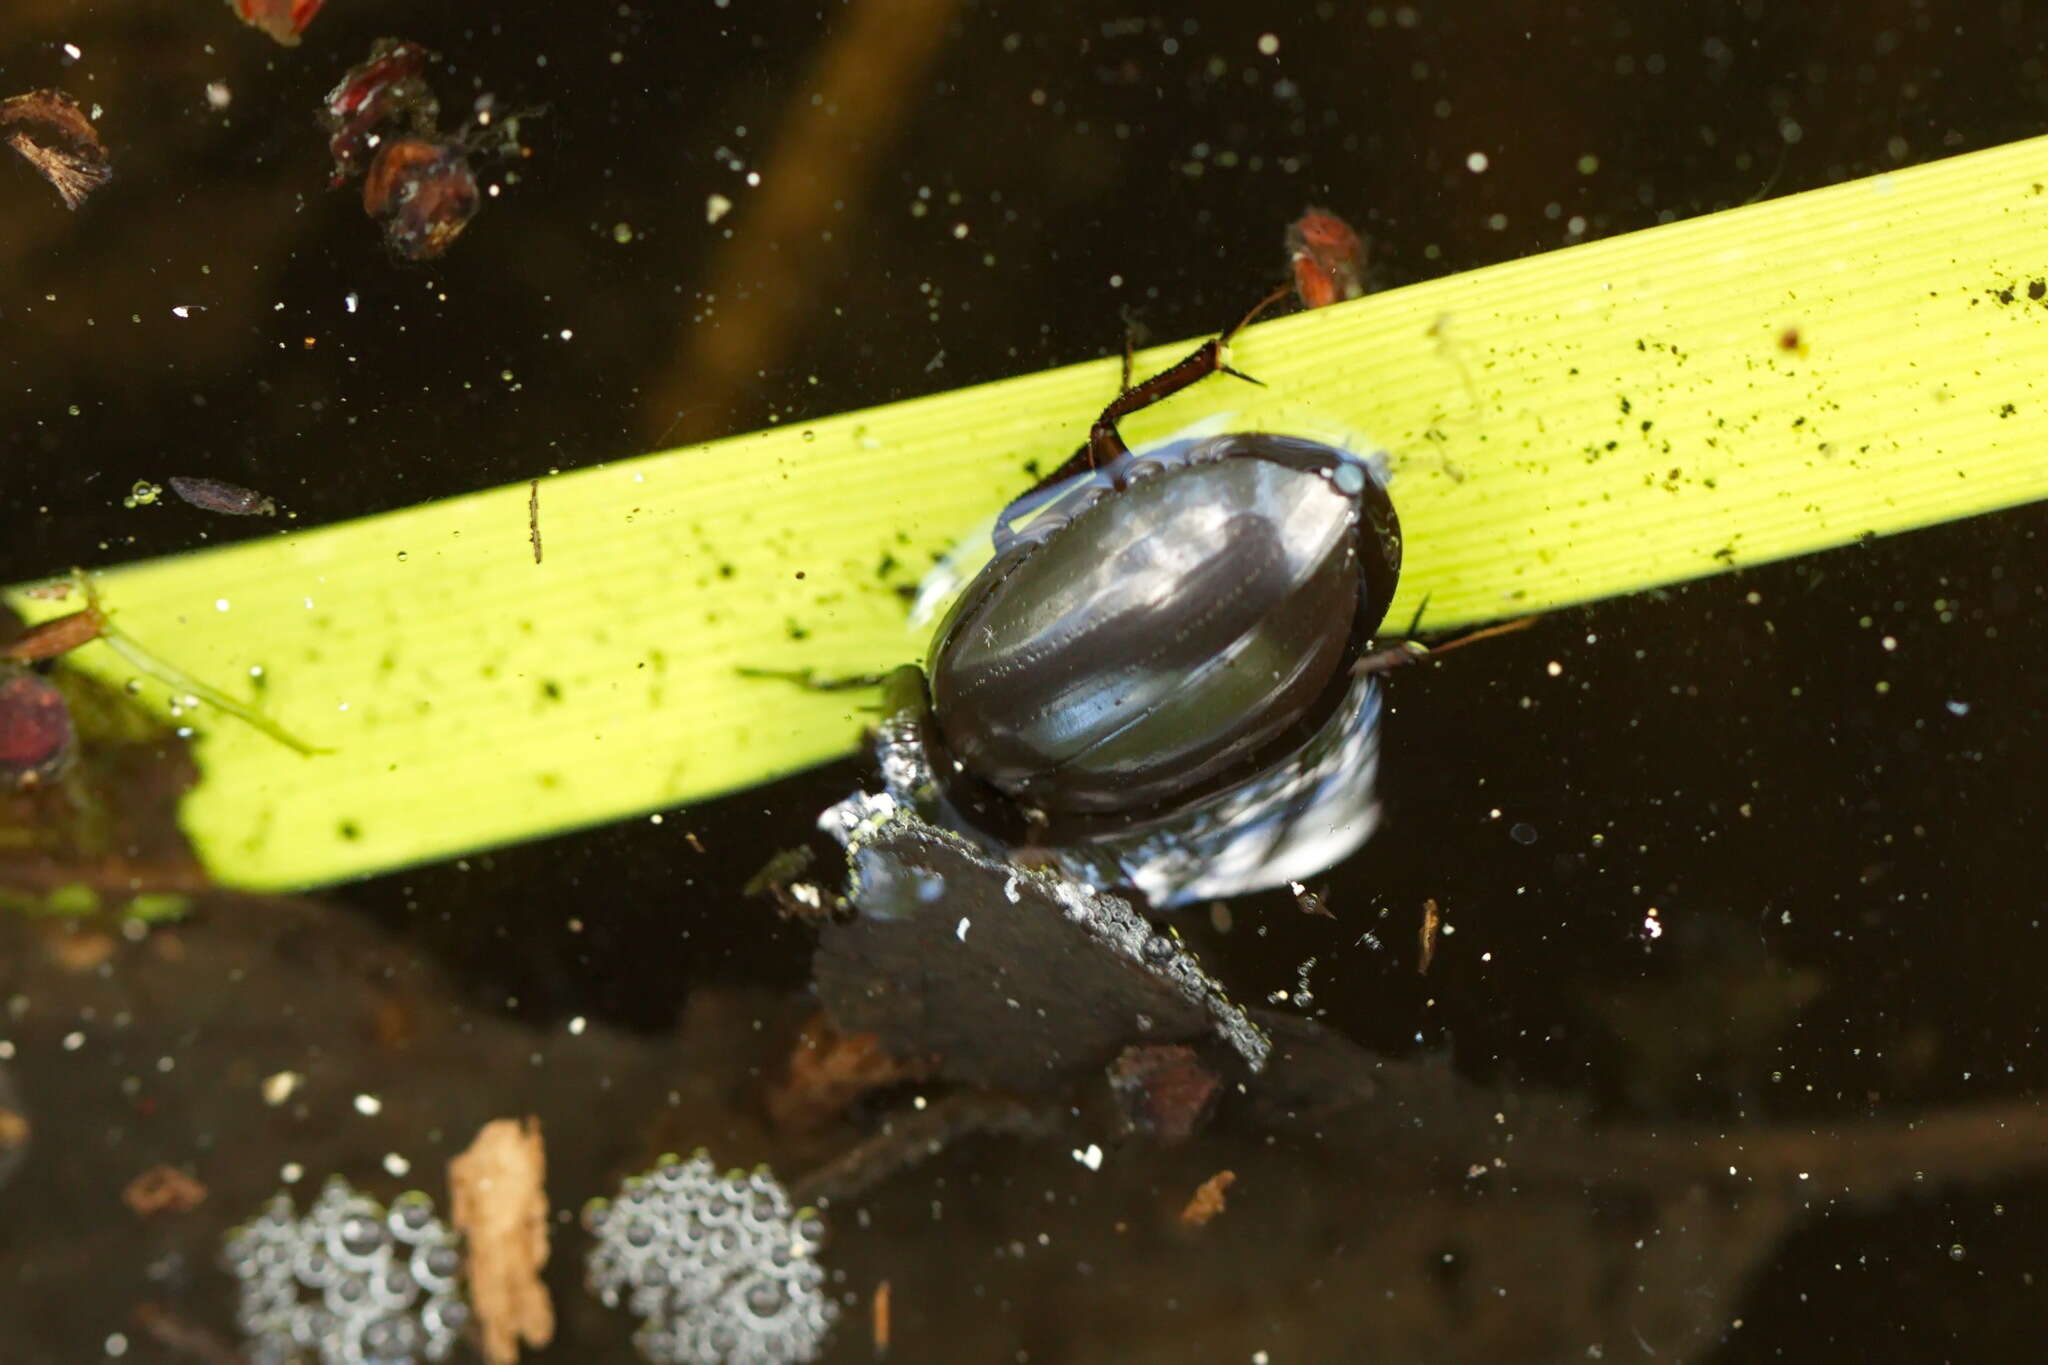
(1743, 387)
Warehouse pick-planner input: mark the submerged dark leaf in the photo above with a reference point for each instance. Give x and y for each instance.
(1013, 979)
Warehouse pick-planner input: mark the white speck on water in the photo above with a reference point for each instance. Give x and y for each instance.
(961, 931)
(351, 300)
(716, 206)
(1476, 162)
(396, 1164)
(1959, 708)
(291, 1173)
(577, 1025)
(1089, 1156)
(368, 1105)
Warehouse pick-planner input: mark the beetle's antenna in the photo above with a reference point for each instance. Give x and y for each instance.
(1412, 651)
(1222, 342)
(1487, 633)
(1261, 306)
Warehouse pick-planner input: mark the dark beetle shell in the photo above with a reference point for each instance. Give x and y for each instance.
(1167, 624)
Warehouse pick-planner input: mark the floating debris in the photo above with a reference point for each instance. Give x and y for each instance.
(229, 499)
(778, 880)
(1207, 1201)
(14, 1128)
(385, 89)
(1327, 257)
(719, 1269)
(1311, 902)
(54, 136)
(163, 1189)
(424, 192)
(881, 1319)
(1425, 936)
(351, 1282)
(383, 123)
(283, 20)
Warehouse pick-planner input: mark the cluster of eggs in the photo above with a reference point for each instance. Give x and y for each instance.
(716, 1267)
(350, 1283)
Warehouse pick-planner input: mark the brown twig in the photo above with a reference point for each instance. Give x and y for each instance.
(910, 1138)
(763, 276)
(182, 1338)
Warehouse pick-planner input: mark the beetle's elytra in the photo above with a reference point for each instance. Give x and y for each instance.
(1164, 636)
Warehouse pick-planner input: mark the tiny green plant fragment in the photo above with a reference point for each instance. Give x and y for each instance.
(65, 633)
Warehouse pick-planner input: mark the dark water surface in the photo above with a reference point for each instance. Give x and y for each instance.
(1824, 776)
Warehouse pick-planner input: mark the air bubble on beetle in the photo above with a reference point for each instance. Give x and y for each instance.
(888, 889)
(726, 1275)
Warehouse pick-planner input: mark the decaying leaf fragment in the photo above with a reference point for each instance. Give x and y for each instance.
(1207, 1200)
(829, 1070)
(163, 1189)
(499, 1203)
(283, 20)
(53, 135)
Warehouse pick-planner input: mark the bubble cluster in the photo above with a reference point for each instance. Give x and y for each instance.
(351, 1283)
(719, 1269)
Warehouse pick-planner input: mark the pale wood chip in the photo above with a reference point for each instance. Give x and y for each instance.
(499, 1203)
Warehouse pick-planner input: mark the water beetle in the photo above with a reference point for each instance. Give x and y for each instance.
(1155, 683)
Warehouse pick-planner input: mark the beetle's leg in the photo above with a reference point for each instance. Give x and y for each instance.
(809, 679)
(1105, 442)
